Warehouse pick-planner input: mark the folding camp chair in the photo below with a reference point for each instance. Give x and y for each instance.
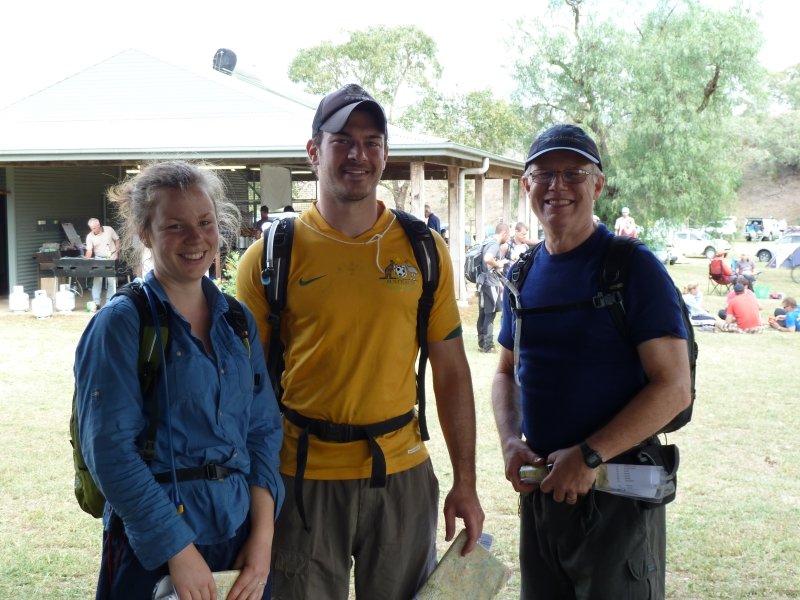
(718, 282)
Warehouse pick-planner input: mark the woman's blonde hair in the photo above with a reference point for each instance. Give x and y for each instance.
(135, 198)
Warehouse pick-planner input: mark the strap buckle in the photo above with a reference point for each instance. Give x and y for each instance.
(215, 472)
(602, 300)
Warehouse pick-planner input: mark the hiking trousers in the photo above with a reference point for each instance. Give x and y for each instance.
(489, 304)
(388, 535)
(604, 547)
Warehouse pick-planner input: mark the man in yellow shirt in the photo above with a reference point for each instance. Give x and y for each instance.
(349, 331)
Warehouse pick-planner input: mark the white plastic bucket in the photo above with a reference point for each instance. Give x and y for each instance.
(41, 305)
(18, 300)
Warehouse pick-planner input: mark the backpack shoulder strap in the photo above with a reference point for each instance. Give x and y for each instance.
(149, 357)
(427, 256)
(484, 268)
(237, 320)
(513, 283)
(519, 272)
(275, 263)
(613, 275)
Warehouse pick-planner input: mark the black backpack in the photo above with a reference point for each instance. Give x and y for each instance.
(275, 265)
(473, 262)
(613, 275)
(276, 261)
(89, 496)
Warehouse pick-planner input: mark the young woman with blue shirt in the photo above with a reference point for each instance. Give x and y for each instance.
(217, 407)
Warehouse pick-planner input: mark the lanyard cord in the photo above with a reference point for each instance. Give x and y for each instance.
(164, 384)
(375, 239)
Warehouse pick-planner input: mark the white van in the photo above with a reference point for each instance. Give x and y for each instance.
(762, 229)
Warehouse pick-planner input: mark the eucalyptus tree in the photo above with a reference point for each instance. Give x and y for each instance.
(396, 65)
(478, 119)
(775, 136)
(659, 98)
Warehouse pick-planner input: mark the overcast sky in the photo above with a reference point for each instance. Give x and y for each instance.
(45, 41)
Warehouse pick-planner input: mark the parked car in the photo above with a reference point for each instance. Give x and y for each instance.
(666, 255)
(760, 229)
(724, 227)
(693, 242)
(766, 250)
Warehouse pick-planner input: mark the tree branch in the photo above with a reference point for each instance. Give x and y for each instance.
(711, 87)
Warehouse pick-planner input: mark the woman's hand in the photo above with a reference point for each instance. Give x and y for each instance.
(191, 576)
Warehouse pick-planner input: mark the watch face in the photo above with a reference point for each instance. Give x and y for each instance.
(591, 457)
(593, 460)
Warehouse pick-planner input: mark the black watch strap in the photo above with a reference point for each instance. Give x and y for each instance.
(591, 457)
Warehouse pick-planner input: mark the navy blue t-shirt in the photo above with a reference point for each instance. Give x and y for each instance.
(576, 369)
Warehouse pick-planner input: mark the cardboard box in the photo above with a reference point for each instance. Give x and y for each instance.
(48, 257)
(50, 284)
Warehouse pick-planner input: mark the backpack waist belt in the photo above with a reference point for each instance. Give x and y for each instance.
(341, 433)
(211, 472)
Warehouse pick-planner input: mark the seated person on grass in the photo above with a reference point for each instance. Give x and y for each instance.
(698, 315)
(786, 318)
(732, 294)
(743, 314)
(747, 269)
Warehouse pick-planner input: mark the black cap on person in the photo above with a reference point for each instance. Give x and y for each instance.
(334, 110)
(564, 137)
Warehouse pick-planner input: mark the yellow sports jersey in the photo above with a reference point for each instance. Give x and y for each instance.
(349, 331)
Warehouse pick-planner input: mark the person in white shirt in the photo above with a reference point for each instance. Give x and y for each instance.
(625, 225)
(102, 242)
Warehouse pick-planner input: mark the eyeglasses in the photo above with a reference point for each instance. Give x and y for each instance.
(569, 176)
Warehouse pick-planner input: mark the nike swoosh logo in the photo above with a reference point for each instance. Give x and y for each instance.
(312, 280)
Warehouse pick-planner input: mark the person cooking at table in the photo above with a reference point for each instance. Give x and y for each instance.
(102, 242)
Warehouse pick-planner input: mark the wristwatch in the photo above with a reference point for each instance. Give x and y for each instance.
(591, 457)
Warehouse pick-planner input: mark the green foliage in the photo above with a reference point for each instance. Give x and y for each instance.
(477, 119)
(389, 62)
(227, 283)
(396, 64)
(786, 87)
(659, 101)
(773, 138)
(774, 141)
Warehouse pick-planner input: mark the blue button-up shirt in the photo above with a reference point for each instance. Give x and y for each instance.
(220, 409)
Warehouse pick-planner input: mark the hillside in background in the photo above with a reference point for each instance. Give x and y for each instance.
(765, 196)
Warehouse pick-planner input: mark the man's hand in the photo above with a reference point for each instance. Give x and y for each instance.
(516, 454)
(570, 476)
(462, 501)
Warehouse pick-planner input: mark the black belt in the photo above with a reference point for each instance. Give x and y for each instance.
(341, 433)
(211, 472)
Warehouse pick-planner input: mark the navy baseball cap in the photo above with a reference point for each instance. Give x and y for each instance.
(564, 137)
(335, 108)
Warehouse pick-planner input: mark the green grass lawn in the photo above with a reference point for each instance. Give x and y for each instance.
(734, 529)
